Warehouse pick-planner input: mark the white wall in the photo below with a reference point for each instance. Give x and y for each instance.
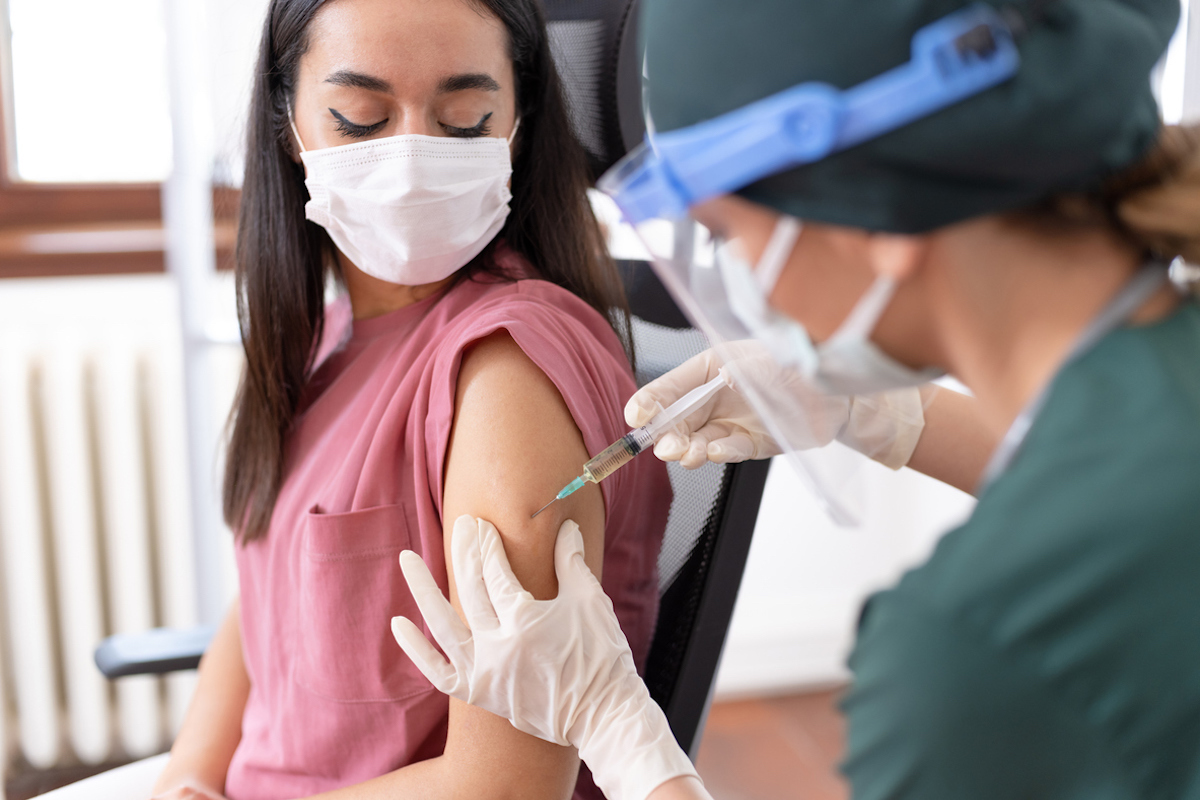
(234, 30)
(806, 578)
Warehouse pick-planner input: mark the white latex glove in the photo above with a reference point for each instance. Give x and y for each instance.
(884, 426)
(558, 669)
(189, 791)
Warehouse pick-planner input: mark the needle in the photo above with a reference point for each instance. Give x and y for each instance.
(568, 490)
(543, 508)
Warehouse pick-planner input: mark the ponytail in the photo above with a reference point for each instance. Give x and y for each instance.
(1157, 202)
(1153, 205)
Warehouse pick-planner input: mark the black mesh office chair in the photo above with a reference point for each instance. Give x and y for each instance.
(714, 510)
(595, 46)
(707, 538)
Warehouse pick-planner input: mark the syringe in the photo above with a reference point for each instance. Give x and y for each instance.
(622, 451)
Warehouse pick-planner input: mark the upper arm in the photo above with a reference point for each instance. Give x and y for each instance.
(513, 446)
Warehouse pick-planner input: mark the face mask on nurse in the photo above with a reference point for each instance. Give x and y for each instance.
(848, 362)
(410, 209)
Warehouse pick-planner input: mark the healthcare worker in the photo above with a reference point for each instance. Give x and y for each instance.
(921, 186)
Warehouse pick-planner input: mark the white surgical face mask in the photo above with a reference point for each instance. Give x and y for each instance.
(410, 209)
(848, 362)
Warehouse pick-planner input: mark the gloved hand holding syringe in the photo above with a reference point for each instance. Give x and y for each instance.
(622, 451)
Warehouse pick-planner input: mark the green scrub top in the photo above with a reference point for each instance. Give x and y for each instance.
(1050, 647)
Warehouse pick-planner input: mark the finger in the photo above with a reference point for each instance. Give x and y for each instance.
(731, 449)
(419, 650)
(503, 586)
(697, 452)
(671, 447)
(569, 564)
(468, 574)
(443, 621)
(642, 407)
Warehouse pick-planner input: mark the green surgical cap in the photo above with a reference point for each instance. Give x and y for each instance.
(1080, 108)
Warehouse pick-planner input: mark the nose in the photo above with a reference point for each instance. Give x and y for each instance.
(413, 121)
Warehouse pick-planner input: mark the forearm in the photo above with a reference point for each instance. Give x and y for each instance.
(447, 778)
(428, 780)
(955, 445)
(212, 728)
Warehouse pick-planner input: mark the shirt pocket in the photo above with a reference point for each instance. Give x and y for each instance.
(350, 588)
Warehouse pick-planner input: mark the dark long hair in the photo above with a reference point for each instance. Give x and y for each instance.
(283, 260)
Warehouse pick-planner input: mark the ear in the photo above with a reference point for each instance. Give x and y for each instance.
(292, 144)
(895, 255)
(514, 136)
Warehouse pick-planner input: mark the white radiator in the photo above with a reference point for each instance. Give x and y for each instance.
(95, 524)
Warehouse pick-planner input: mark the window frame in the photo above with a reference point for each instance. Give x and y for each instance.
(57, 229)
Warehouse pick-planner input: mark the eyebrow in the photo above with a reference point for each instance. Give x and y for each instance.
(357, 80)
(454, 83)
(466, 81)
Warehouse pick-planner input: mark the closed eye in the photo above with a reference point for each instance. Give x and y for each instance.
(353, 129)
(481, 129)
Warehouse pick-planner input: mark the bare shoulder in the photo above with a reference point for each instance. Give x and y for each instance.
(513, 446)
(498, 367)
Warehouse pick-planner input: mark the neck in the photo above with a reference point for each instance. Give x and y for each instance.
(1011, 307)
(372, 297)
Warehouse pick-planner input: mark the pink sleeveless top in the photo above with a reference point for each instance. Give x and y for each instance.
(334, 701)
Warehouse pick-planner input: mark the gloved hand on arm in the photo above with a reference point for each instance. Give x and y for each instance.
(883, 426)
(558, 669)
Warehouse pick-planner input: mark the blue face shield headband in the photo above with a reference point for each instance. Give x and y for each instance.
(953, 59)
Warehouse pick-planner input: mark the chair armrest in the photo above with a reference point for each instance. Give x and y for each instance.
(153, 652)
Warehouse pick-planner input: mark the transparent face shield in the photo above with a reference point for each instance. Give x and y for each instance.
(769, 355)
(704, 275)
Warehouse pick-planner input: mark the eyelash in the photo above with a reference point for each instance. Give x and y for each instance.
(481, 129)
(353, 130)
(348, 128)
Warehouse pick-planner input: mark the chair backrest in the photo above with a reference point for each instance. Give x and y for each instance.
(714, 508)
(594, 43)
(708, 532)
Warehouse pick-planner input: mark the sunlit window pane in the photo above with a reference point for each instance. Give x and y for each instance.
(90, 90)
(1172, 70)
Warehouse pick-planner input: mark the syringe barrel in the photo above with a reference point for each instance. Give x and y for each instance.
(641, 438)
(615, 456)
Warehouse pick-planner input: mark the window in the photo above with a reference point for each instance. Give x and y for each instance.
(1170, 74)
(85, 139)
(89, 92)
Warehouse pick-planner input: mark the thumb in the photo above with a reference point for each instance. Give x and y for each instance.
(568, 555)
